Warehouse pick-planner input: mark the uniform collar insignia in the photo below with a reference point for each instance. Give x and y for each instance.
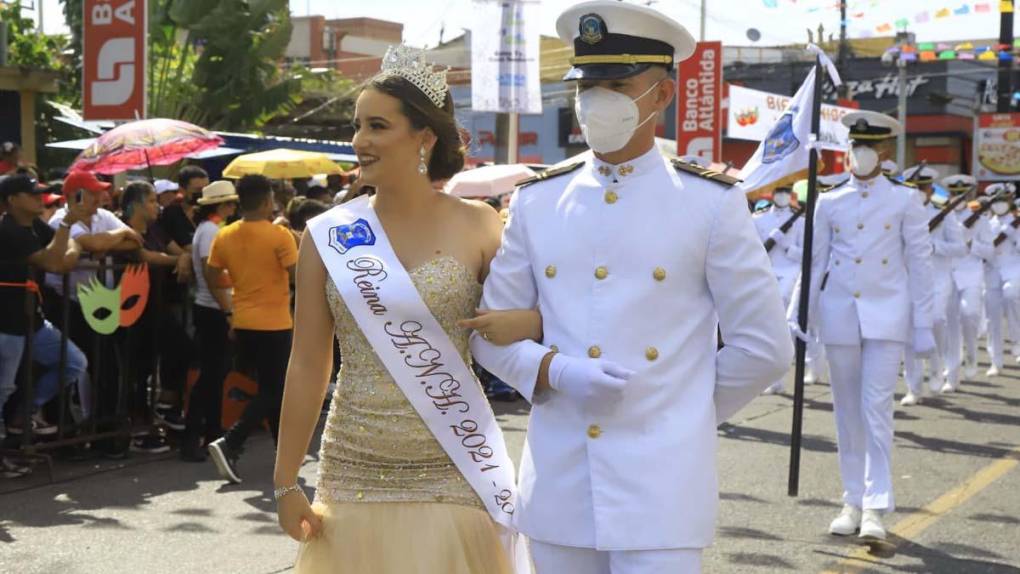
(625, 169)
(605, 170)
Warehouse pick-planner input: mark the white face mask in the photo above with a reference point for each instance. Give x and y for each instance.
(1000, 208)
(608, 119)
(863, 160)
(781, 199)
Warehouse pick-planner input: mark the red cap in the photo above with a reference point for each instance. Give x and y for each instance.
(78, 180)
(51, 199)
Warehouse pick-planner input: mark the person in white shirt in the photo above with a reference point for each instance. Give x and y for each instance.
(947, 246)
(871, 240)
(1002, 273)
(211, 312)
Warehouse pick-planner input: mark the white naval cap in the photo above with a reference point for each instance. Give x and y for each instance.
(959, 182)
(165, 185)
(1000, 189)
(890, 167)
(613, 39)
(920, 174)
(866, 126)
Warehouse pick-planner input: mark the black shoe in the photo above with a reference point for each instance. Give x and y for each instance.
(9, 468)
(171, 418)
(191, 448)
(114, 448)
(226, 460)
(152, 443)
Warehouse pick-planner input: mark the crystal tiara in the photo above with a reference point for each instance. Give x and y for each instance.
(409, 63)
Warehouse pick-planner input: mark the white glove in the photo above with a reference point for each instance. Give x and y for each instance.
(796, 332)
(589, 381)
(924, 341)
(779, 237)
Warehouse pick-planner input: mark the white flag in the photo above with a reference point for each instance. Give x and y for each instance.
(782, 157)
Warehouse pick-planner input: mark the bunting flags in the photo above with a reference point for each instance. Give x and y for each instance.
(947, 10)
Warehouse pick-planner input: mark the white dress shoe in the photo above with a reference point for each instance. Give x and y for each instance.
(969, 371)
(1016, 349)
(774, 389)
(992, 372)
(871, 525)
(947, 388)
(908, 400)
(848, 521)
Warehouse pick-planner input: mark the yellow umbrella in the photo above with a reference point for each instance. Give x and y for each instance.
(282, 164)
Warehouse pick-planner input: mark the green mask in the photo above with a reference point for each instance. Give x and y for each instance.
(100, 305)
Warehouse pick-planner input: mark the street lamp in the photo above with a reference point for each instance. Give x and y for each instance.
(904, 51)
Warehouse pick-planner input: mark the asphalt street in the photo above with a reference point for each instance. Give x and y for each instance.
(955, 467)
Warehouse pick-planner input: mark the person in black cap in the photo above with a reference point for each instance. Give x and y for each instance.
(635, 261)
(29, 247)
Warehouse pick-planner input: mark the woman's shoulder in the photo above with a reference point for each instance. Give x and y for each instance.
(473, 211)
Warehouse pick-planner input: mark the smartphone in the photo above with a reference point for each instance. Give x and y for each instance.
(78, 196)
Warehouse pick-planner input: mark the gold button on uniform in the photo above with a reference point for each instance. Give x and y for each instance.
(554, 349)
(611, 197)
(864, 194)
(860, 226)
(594, 351)
(858, 261)
(594, 431)
(550, 271)
(835, 229)
(601, 273)
(885, 262)
(659, 274)
(651, 353)
(857, 294)
(888, 226)
(837, 262)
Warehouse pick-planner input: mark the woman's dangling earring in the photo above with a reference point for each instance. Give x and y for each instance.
(423, 168)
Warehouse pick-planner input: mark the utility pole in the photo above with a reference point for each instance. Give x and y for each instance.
(1005, 92)
(841, 57)
(701, 38)
(901, 113)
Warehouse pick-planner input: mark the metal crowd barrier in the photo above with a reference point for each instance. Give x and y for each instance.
(96, 426)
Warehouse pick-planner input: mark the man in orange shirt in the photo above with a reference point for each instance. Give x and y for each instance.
(260, 258)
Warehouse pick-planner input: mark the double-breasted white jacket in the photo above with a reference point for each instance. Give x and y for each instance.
(637, 264)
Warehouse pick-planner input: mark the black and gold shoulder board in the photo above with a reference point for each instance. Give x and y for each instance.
(706, 173)
(550, 173)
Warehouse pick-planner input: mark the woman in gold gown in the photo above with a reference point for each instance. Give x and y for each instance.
(389, 499)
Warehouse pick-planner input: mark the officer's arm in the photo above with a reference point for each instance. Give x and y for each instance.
(757, 348)
(511, 285)
(948, 239)
(796, 249)
(981, 244)
(917, 251)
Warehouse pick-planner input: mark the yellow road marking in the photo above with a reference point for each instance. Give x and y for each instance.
(918, 522)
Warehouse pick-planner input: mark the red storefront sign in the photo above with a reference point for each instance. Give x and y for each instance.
(698, 109)
(114, 59)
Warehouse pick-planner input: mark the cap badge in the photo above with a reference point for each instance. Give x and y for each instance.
(592, 28)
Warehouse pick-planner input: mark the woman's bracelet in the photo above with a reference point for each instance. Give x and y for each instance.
(285, 490)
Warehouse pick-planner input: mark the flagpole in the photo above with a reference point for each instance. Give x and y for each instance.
(793, 485)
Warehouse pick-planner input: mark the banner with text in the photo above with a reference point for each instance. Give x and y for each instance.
(505, 48)
(997, 147)
(114, 59)
(752, 113)
(698, 109)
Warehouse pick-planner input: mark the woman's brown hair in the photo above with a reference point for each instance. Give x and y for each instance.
(448, 152)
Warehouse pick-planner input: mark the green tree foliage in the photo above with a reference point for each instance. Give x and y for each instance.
(214, 62)
(25, 47)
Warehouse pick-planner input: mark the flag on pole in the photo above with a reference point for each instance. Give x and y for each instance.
(782, 157)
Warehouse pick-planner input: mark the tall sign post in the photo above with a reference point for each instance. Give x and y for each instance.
(114, 59)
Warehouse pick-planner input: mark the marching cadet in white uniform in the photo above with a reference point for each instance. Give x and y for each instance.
(784, 246)
(963, 317)
(634, 262)
(947, 246)
(871, 237)
(1002, 271)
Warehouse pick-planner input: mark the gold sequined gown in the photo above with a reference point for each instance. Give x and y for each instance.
(392, 501)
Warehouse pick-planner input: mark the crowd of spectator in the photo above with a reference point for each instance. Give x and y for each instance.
(221, 257)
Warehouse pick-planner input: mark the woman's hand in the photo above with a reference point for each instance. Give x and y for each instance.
(505, 327)
(297, 518)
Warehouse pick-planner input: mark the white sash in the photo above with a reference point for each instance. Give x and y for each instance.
(418, 354)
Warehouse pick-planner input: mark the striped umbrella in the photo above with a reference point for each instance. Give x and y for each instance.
(143, 144)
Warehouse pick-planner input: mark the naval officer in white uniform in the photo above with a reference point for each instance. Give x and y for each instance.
(784, 246)
(963, 317)
(1002, 274)
(634, 262)
(871, 238)
(947, 246)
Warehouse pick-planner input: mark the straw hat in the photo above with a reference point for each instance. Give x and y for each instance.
(218, 192)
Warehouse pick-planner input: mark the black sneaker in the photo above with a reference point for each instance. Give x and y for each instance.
(191, 448)
(171, 418)
(39, 427)
(225, 459)
(152, 443)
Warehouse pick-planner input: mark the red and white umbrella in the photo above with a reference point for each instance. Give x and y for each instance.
(488, 181)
